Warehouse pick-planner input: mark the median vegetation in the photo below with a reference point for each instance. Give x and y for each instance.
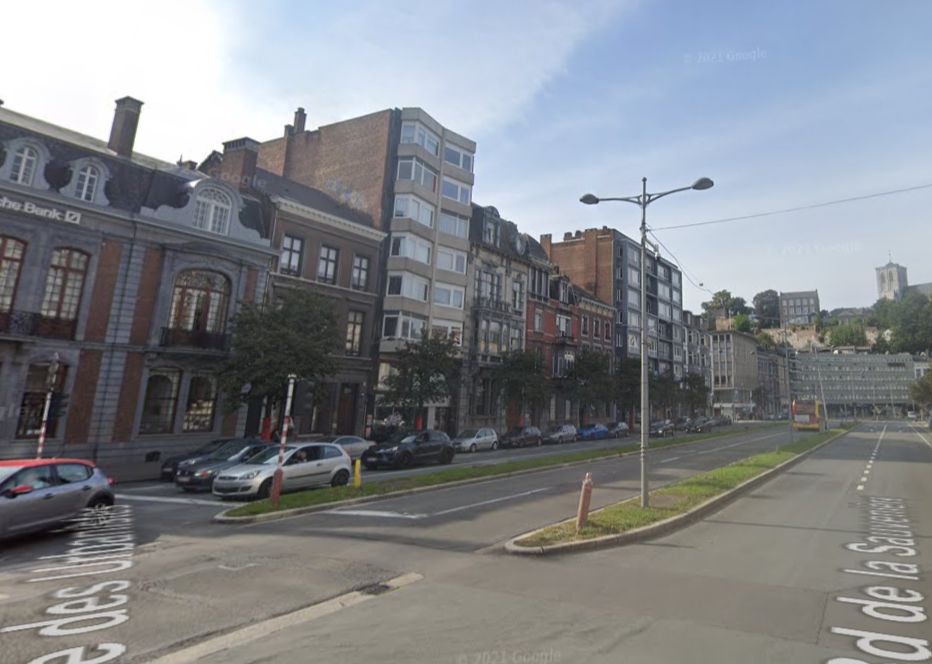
(674, 499)
(326, 496)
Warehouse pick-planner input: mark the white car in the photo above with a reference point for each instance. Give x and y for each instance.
(354, 445)
(305, 465)
(473, 440)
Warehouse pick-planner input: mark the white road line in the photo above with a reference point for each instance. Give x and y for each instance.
(489, 502)
(916, 431)
(262, 629)
(860, 487)
(376, 513)
(671, 459)
(177, 501)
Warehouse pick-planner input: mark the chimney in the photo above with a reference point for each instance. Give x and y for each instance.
(545, 241)
(125, 121)
(300, 118)
(238, 167)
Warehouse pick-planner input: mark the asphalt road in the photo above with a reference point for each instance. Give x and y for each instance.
(191, 579)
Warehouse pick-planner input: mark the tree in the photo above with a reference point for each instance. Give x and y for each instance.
(848, 334)
(522, 377)
(628, 383)
(921, 391)
(422, 373)
(589, 380)
(767, 308)
(742, 323)
(725, 304)
(664, 390)
(912, 328)
(695, 392)
(296, 334)
(765, 341)
(739, 307)
(882, 314)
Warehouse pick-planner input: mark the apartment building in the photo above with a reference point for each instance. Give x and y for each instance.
(735, 378)
(413, 177)
(607, 263)
(129, 269)
(697, 347)
(799, 308)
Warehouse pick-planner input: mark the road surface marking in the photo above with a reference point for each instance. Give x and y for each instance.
(376, 513)
(671, 459)
(916, 431)
(860, 487)
(177, 501)
(488, 502)
(262, 629)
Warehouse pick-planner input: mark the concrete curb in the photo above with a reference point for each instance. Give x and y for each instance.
(661, 527)
(309, 509)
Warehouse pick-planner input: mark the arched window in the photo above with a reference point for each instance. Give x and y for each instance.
(86, 185)
(212, 210)
(199, 301)
(202, 396)
(158, 409)
(64, 284)
(11, 262)
(24, 165)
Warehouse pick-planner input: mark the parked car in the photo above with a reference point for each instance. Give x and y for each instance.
(521, 436)
(305, 465)
(473, 440)
(682, 423)
(561, 433)
(355, 446)
(617, 429)
(593, 432)
(198, 474)
(422, 447)
(170, 465)
(40, 494)
(661, 428)
(699, 425)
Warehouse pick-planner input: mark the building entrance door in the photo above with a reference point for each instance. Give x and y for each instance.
(346, 409)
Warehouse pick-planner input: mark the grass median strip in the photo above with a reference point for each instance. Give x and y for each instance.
(374, 489)
(671, 500)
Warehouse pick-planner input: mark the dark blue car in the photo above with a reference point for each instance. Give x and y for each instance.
(593, 432)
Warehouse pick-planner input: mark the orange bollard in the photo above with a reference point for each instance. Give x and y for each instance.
(585, 495)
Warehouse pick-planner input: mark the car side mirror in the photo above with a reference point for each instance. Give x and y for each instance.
(18, 490)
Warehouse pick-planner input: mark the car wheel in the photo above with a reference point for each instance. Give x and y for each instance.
(473, 448)
(265, 489)
(406, 460)
(340, 479)
(494, 445)
(540, 441)
(99, 508)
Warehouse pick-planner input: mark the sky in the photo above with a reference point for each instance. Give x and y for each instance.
(782, 104)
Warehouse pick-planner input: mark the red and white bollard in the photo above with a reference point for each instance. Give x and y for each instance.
(585, 495)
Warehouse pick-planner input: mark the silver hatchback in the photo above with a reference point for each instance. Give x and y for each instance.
(39, 494)
(305, 465)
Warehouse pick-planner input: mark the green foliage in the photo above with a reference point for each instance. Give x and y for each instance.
(765, 341)
(664, 390)
(694, 392)
(522, 377)
(742, 323)
(296, 334)
(909, 319)
(628, 382)
(725, 304)
(767, 308)
(848, 334)
(423, 372)
(921, 391)
(589, 381)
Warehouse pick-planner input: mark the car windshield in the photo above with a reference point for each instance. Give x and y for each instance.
(268, 456)
(467, 433)
(227, 450)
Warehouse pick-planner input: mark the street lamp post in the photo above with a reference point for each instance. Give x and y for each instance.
(642, 201)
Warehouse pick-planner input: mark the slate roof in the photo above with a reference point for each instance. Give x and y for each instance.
(275, 185)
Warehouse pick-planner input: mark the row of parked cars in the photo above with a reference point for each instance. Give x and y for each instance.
(700, 424)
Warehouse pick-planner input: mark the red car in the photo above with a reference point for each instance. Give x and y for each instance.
(38, 494)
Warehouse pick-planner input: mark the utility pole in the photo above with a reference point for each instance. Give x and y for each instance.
(278, 477)
(51, 380)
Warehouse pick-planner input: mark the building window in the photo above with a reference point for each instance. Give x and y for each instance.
(596, 328)
(490, 232)
(663, 290)
(412, 132)
(634, 276)
(397, 324)
(158, 409)
(422, 174)
(11, 263)
(86, 185)
(489, 286)
(451, 260)
(212, 211)
(64, 284)
(517, 295)
(495, 337)
(408, 285)
(23, 169)
(538, 321)
(33, 403)
(585, 325)
(517, 338)
(199, 302)
(448, 329)
(409, 246)
(354, 321)
(452, 224)
(292, 255)
(448, 296)
(360, 279)
(458, 157)
(202, 399)
(412, 207)
(456, 191)
(327, 265)
(608, 331)
(664, 310)
(564, 325)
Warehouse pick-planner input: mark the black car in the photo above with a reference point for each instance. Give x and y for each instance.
(403, 452)
(170, 465)
(198, 474)
(661, 428)
(699, 425)
(521, 436)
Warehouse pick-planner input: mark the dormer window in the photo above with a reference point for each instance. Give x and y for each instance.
(23, 169)
(86, 185)
(212, 211)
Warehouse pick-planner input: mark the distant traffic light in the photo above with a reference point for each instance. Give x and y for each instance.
(58, 405)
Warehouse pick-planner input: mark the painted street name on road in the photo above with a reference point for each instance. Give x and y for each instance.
(888, 533)
(100, 547)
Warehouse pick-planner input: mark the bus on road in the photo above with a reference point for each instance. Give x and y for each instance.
(808, 415)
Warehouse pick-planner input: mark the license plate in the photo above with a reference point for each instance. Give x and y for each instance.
(183, 479)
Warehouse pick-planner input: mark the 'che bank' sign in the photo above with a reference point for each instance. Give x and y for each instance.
(30, 208)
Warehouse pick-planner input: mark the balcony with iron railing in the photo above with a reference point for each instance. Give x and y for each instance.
(181, 338)
(31, 324)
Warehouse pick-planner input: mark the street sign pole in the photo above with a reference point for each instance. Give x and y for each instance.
(286, 420)
(51, 381)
